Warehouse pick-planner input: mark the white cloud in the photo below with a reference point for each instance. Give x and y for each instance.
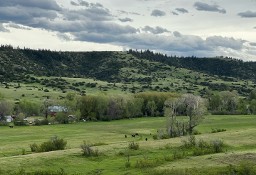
(3, 29)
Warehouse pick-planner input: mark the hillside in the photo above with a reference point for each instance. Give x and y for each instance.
(130, 71)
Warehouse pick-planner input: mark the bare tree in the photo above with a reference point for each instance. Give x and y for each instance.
(189, 105)
(194, 107)
(170, 111)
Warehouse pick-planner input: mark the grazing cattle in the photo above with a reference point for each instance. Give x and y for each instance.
(10, 126)
(146, 139)
(125, 136)
(133, 135)
(136, 134)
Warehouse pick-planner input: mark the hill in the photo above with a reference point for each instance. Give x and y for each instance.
(130, 71)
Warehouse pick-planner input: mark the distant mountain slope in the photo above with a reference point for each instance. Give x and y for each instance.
(136, 71)
(214, 66)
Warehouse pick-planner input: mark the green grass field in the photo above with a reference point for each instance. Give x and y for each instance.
(15, 152)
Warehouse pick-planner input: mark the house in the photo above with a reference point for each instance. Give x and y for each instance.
(9, 118)
(53, 110)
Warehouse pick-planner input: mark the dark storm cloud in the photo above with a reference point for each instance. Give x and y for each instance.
(125, 19)
(247, 14)
(41, 4)
(156, 30)
(157, 13)
(181, 10)
(25, 15)
(201, 6)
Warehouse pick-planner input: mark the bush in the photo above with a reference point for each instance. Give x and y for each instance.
(88, 151)
(127, 164)
(62, 118)
(195, 132)
(34, 147)
(53, 144)
(133, 145)
(217, 146)
(190, 142)
(202, 147)
(41, 122)
(215, 130)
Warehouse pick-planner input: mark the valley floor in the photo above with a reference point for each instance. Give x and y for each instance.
(152, 157)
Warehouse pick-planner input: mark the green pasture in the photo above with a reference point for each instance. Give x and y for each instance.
(109, 138)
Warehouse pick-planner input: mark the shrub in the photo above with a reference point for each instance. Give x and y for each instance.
(34, 147)
(62, 118)
(215, 130)
(127, 164)
(41, 122)
(196, 132)
(190, 142)
(217, 146)
(202, 147)
(133, 145)
(53, 144)
(88, 151)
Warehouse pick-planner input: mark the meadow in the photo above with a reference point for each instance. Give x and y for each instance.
(152, 156)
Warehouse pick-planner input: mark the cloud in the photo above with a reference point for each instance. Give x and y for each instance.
(3, 29)
(128, 13)
(45, 4)
(218, 41)
(92, 22)
(181, 10)
(84, 3)
(174, 13)
(200, 6)
(17, 26)
(25, 15)
(125, 19)
(156, 30)
(177, 34)
(247, 14)
(74, 3)
(64, 36)
(93, 13)
(253, 44)
(158, 13)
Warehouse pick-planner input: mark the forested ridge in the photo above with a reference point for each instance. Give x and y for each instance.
(143, 70)
(222, 66)
(105, 65)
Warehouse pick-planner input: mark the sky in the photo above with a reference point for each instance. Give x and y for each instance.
(202, 28)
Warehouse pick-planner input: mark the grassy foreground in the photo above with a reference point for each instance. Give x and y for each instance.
(109, 137)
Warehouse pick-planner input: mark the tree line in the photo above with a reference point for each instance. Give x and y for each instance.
(104, 107)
